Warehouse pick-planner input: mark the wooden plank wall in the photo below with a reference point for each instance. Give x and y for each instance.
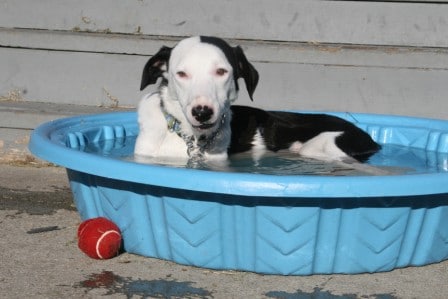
(359, 56)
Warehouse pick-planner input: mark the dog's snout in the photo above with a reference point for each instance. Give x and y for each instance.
(202, 113)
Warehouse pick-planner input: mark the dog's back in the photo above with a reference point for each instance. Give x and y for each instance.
(296, 131)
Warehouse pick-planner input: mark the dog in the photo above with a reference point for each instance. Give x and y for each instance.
(191, 115)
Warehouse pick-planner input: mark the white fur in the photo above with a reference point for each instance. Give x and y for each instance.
(199, 61)
(322, 147)
(154, 139)
(258, 146)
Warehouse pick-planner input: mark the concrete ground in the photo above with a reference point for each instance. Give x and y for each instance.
(40, 259)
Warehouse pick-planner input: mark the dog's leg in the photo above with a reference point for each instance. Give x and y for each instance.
(216, 157)
(152, 125)
(322, 147)
(258, 147)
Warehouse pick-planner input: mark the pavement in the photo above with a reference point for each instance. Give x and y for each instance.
(39, 258)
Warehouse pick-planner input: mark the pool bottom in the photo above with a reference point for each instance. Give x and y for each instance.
(271, 235)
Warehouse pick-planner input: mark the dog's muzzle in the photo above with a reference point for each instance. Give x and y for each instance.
(202, 113)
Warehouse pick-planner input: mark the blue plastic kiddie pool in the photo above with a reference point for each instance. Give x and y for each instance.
(291, 224)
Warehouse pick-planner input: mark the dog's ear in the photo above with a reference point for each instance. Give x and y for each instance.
(155, 67)
(246, 71)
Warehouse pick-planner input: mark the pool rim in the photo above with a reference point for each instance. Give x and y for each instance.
(45, 143)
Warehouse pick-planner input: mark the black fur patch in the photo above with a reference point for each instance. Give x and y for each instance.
(242, 68)
(226, 49)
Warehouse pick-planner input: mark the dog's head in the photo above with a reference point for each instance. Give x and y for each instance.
(202, 74)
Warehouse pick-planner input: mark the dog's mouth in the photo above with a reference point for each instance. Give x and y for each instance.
(204, 126)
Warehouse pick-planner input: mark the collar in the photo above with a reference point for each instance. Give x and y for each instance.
(173, 125)
(195, 148)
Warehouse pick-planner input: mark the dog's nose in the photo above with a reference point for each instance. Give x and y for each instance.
(202, 113)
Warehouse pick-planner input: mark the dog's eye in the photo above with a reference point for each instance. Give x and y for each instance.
(221, 72)
(182, 74)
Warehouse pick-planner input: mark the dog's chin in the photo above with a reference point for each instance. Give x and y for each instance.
(204, 127)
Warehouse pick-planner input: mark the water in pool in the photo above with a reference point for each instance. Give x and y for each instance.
(392, 159)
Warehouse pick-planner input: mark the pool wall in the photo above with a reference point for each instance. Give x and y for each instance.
(289, 236)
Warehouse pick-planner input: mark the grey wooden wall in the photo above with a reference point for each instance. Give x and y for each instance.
(64, 57)
(360, 56)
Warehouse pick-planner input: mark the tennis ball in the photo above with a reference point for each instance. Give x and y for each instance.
(99, 238)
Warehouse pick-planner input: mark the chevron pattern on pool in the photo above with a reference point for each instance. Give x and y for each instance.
(268, 235)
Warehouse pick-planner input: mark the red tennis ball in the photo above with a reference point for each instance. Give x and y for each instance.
(99, 238)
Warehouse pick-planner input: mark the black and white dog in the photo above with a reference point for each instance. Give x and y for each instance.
(191, 116)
